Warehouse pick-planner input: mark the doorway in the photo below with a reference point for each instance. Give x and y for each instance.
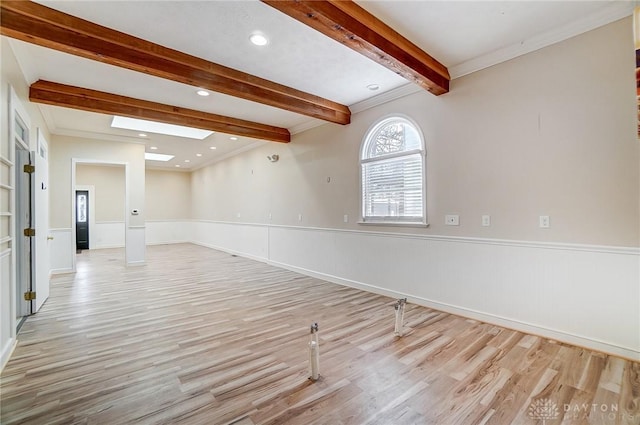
(102, 234)
(82, 220)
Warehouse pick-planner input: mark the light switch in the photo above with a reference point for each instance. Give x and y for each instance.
(486, 220)
(545, 221)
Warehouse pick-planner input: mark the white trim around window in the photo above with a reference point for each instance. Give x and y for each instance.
(392, 173)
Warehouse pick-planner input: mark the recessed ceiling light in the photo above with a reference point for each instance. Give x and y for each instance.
(233, 138)
(203, 93)
(212, 147)
(187, 160)
(159, 127)
(157, 157)
(177, 165)
(198, 154)
(142, 135)
(259, 39)
(154, 148)
(373, 87)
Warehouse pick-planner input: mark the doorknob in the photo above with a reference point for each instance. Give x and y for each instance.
(49, 238)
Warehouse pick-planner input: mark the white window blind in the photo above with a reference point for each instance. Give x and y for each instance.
(392, 166)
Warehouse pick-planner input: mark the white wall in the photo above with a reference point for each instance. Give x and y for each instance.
(161, 232)
(109, 190)
(69, 152)
(168, 195)
(11, 77)
(61, 256)
(107, 193)
(549, 133)
(168, 205)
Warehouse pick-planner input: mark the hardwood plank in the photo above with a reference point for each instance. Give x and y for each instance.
(182, 351)
(630, 395)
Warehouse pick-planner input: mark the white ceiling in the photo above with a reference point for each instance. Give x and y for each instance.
(464, 36)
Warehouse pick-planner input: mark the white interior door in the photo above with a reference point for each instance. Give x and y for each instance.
(41, 216)
(24, 248)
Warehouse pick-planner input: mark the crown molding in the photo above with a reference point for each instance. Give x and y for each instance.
(27, 66)
(388, 96)
(363, 105)
(96, 136)
(615, 11)
(306, 125)
(230, 154)
(48, 118)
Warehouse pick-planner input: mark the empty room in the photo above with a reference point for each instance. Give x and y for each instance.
(319, 212)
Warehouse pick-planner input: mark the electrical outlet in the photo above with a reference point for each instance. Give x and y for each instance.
(486, 220)
(452, 220)
(545, 221)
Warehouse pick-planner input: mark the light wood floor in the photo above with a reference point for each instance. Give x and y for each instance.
(201, 337)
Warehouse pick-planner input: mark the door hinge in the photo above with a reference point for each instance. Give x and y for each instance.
(29, 232)
(28, 168)
(29, 296)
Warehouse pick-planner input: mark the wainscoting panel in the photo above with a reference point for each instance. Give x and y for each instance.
(567, 294)
(108, 234)
(135, 246)
(248, 240)
(584, 295)
(60, 255)
(8, 342)
(168, 231)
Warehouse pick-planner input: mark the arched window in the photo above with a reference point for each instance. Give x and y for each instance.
(392, 167)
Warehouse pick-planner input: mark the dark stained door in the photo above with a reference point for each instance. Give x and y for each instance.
(82, 219)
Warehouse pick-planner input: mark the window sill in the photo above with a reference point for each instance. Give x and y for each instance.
(393, 224)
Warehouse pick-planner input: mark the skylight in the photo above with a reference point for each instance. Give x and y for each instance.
(160, 128)
(157, 157)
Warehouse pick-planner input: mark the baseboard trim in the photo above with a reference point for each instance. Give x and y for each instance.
(136, 263)
(107, 247)
(7, 352)
(528, 328)
(238, 253)
(167, 243)
(60, 271)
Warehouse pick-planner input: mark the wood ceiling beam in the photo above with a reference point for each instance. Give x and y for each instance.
(41, 25)
(56, 94)
(351, 25)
